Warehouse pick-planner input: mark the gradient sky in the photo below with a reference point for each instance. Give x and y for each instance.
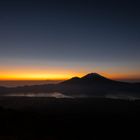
(58, 39)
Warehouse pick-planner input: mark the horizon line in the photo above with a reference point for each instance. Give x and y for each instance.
(116, 79)
(62, 77)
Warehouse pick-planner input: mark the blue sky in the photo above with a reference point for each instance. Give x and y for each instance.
(83, 35)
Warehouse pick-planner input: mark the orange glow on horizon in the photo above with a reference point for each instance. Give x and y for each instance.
(58, 75)
(34, 77)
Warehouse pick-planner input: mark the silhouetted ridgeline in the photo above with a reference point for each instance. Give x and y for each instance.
(71, 119)
(92, 84)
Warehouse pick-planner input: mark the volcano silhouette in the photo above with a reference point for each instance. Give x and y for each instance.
(92, 84)
(91, 78)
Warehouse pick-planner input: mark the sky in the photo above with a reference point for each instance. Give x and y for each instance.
(59, 39)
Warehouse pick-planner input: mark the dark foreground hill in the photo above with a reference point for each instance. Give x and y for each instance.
(68, 119)
(91, 84)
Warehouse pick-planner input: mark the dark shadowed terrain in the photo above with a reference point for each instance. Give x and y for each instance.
(90, 85)
(87, 110)
(50, 118)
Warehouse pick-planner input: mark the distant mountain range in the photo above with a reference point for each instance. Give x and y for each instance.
(89, 85)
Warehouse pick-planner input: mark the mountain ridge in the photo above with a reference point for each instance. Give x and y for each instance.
(90, 85)
(88, 79)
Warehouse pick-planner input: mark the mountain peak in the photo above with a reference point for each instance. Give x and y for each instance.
(92, 75)
(87, 79)
(73, 80)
